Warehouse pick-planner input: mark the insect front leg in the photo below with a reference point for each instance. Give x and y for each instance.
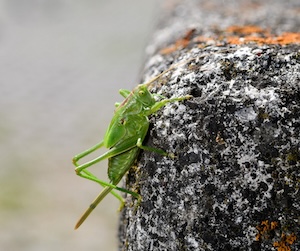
(158, 95)
(124, 93)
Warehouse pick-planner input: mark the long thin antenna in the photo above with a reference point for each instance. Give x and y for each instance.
(165, 71)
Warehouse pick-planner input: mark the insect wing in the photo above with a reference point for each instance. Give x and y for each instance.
(115, 131)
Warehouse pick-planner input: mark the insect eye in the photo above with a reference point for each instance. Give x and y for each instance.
(141, 93)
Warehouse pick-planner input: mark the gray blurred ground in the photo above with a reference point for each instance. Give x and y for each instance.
(61, 65)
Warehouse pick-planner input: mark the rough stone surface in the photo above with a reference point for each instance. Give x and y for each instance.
(235, 182)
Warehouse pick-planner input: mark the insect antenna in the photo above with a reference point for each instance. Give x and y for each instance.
(176, 65)
(165, 71)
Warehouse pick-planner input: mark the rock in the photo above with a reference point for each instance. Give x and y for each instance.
(234, 184)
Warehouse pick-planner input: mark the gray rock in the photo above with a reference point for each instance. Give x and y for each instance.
(234, 184)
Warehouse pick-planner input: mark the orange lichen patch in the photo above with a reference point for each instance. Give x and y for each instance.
(248, 34)
(289, 38)
(285, 38)
(236, 35)
(290, 239)
(247, 29)
(285, 242)
(274, 224)
(180, 43)
(265, 229)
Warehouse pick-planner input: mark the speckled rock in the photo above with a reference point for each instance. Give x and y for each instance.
(234, 184)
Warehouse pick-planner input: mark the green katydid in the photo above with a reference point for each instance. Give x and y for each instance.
(124, 138)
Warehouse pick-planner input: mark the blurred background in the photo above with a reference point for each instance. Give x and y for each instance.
(62, 63)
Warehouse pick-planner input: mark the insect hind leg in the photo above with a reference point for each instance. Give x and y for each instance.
(86, 152)
(88, 175)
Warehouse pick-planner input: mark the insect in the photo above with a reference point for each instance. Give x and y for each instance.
(124, 140)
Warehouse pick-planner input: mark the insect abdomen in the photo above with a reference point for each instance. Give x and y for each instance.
(120, 164)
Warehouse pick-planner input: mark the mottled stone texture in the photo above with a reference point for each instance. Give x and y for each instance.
(234, 184)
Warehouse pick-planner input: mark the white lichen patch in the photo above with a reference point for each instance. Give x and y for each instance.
(246, 114)
(163, 127)
(194, 149)
(192, 242)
